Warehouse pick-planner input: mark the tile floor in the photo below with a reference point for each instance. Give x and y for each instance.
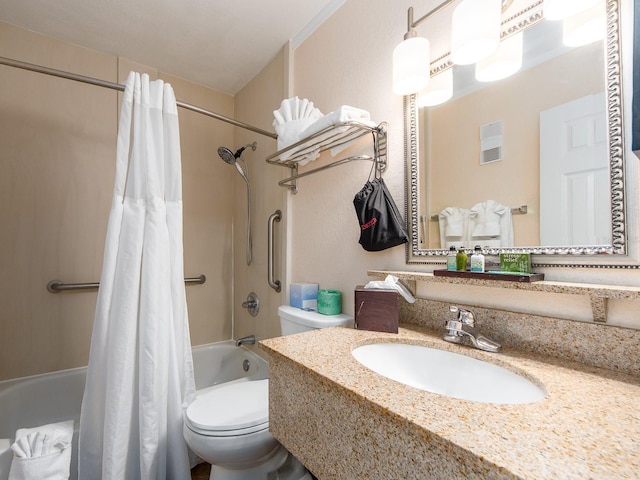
(201, 472)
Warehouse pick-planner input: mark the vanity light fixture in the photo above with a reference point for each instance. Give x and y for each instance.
(505, 61)
(584, 28)
(475, 30)
(561, 9)
(411, 65)
(439, 90)
(475, 35)
(411, 58)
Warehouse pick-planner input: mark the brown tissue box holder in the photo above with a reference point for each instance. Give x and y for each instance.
(376, 309)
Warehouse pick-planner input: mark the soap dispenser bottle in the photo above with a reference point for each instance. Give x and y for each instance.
(477, 260)
(451, 259)
(461, 260)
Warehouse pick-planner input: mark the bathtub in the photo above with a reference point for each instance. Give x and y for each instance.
(55, 397)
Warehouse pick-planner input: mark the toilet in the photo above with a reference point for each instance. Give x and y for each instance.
(228, 424)
(295, 320)
(228, 427)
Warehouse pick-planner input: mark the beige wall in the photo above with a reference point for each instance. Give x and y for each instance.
(348, 61)
(57, 159)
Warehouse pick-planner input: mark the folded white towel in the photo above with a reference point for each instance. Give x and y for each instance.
(453, 223)
(491, 225)
(42, 452)
(289, 133)
(290, 120)
(345, 113)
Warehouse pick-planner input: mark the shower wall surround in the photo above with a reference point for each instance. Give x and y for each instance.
(58, 141)
(255, 104)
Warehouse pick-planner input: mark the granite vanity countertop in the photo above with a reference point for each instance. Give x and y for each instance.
(587, 426)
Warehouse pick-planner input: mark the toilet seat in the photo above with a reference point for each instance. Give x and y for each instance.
(231, 410)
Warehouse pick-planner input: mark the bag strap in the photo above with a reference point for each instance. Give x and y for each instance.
(377, 174)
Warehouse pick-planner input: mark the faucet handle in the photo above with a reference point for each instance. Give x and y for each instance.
(465, 316)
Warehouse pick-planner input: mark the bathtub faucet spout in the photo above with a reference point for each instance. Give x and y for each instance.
(248, 340)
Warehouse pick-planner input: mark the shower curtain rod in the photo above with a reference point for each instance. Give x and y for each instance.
(116, 86)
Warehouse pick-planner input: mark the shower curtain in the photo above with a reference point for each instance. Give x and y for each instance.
(140, 375)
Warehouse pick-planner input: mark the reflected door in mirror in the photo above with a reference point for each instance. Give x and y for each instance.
(574, 174)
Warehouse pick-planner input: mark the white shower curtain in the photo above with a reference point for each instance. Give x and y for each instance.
(140, 375)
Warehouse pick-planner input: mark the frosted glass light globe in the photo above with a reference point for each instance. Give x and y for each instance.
(411, 65)
(439, 90)
(561, 9)
(504, 62)
(475, 30)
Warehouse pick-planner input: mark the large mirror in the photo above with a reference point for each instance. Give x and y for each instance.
(534, 162)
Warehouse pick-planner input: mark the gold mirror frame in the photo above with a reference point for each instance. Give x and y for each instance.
(615, 255)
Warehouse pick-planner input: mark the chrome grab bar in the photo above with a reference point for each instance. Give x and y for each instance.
(56, 286)
(273, 283)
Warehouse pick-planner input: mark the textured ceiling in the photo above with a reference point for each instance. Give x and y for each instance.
(222, 44)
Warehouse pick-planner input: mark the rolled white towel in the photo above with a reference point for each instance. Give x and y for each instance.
(42, 452)
(295, 109)
(293, 116)
(284, 113)
(289, 133)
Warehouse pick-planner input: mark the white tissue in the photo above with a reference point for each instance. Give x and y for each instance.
(392, 283)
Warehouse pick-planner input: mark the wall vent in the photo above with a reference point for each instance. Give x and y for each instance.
(491, 142)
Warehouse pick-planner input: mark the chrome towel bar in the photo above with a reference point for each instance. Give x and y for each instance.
(521, 210)
(56, 286)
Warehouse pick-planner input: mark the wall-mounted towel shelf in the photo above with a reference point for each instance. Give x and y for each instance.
(521, 210)
(331, 137)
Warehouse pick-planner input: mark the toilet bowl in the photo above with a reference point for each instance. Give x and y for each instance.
(228, 427)
(295, 320)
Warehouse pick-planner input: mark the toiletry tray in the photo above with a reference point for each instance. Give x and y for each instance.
(504, 277)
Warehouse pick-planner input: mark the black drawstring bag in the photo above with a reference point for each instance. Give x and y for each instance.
(381, 225)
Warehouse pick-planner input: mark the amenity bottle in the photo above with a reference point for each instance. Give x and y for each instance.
(461, 260)
(451, 259)
(477, 260)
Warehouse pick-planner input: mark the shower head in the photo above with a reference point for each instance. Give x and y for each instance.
(227, 155)
(232, 159)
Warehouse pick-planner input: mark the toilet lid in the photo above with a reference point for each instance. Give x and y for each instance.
(231, 407)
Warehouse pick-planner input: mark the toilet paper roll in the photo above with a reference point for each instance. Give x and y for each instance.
(329, 302)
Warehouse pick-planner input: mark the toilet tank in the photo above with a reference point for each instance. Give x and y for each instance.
(295, 320)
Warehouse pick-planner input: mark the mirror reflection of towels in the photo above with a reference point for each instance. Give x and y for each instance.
(453, 222)
(490, 224)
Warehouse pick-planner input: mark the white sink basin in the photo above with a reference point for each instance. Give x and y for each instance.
(447, 373)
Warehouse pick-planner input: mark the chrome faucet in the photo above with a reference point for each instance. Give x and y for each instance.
(463, 330)
(248, 340)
